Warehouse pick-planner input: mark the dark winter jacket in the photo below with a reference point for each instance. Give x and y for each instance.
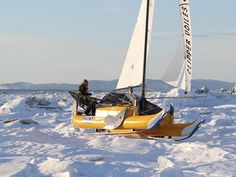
(83, 89)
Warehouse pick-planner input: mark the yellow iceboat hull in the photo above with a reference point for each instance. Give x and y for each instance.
(154, 125)
(159, 131)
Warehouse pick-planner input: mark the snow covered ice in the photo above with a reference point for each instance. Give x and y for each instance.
(47, 145)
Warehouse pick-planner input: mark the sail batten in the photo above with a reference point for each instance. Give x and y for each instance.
(179, 72)
(132, 71)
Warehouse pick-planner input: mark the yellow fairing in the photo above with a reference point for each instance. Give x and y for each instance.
(138, 122)
(97, 121)
(88, 122)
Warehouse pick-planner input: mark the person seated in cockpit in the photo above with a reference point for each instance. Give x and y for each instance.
(85, 99)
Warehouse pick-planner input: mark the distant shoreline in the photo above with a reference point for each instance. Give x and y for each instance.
(100, 85)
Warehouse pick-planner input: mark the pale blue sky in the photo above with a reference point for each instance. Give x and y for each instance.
(44, 41)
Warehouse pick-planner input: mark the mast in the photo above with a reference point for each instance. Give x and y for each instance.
(145, 51)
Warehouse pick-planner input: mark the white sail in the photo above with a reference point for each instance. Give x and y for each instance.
(175, 72)
(179, 72)
(132, 72)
